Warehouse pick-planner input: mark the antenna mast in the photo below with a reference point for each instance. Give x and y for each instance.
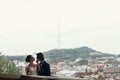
(59, 44)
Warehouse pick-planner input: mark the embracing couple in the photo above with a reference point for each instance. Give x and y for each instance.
(42, 68)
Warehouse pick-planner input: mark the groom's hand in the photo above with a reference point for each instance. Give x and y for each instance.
(37, 61)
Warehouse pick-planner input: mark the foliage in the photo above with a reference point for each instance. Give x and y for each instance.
(56, 55)
(83, 62)
(7, 67)
(12, 58)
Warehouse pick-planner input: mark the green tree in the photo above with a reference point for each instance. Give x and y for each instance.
(7, 67)
(83, 62)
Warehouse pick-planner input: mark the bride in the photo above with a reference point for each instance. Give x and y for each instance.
(31, 68)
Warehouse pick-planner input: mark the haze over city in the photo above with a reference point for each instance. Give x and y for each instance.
(28, 26)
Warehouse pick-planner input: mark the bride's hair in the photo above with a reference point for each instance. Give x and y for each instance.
(28, 58)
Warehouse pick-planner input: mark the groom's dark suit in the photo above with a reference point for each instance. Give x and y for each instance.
(45, 69)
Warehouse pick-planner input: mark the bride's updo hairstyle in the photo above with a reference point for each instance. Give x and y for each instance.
(28, 58)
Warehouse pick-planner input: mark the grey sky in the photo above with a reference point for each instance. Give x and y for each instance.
(28, 26)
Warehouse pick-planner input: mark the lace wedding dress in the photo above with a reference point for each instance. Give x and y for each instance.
(31, 70)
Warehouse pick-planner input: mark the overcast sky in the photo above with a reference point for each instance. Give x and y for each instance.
(28, 26)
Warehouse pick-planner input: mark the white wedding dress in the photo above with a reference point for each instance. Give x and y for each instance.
(32, 70)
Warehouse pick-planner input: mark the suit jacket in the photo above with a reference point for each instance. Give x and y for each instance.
(45, 69)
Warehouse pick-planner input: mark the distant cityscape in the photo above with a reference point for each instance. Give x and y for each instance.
(95, 67)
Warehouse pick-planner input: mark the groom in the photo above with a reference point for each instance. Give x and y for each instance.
(44, 69)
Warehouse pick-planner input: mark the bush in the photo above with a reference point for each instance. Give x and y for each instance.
(7, 67)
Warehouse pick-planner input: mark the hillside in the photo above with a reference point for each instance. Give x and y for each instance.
(56, 55)
(71, 54)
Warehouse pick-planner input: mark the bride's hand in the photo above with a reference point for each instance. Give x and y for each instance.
(37, 61)
(38, 67)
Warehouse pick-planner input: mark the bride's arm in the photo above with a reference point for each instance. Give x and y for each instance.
(38, 65)
(27, 70)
